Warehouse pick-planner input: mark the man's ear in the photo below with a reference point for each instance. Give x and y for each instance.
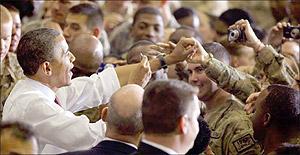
(104, 114)
(267, 119)
(183, 124)
(46, 68)
(96, 32)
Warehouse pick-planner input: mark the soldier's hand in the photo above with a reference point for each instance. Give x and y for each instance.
(166, 48)
(251, 38)
(275, 36)
(250, 102)
(141, 74)
(185, 49)
(201, 56)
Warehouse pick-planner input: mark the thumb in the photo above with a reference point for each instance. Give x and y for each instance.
(144, 60)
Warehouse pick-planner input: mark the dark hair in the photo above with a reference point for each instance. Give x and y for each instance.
(36, 47)
(233, 15)
(94, 14)
(164, 103)
(184, 12)
(19, 130)
(197, 35)
(218, 51)
(203, 138)
(136, 44)
(283, 103)
(10, 7)
(288, 149)
(146, 10)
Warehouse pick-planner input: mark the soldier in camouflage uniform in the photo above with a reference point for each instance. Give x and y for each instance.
(231, 128)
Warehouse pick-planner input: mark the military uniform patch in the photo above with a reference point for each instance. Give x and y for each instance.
(215, 135)
(243, 143)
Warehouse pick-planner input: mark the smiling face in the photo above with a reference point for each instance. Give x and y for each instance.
(148, 27)
(16, 31)
(60, 10)
(198, 78)
(62, 64)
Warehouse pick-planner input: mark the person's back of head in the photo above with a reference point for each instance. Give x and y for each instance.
(6, 31)
(233, 15)
(167, 106)
(95, 17)
(124, 115)
(133, 55)
(187, 16)
(288, 149)
(218, 51)
(185, 31)
(17, 138)
(89, 53)
(36, 47)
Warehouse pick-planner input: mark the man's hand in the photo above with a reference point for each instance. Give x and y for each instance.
(166, 48)
(141, 74)
(251, 39)
(201, 56)
(250, 102)
(275, 36)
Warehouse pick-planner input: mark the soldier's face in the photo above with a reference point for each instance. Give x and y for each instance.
(16, 31)
(198, 78)
(6, 29)
(61, 8)
(75, 25)
(259, 117)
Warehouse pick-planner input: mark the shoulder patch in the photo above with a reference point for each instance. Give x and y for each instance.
(215, 135)
(243, 143)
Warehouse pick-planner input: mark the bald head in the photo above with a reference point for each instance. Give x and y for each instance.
(124, 114)
(88, 51)
(6, 31)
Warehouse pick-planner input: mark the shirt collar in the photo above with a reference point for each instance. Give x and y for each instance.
(130, 144)
(41, 87)
(161, 147)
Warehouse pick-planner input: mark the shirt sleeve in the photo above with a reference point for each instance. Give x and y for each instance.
(88, 92)
(276, 69)
(55, 126)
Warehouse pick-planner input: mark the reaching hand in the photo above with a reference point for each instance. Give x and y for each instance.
(141, 74)
(275, 36)
(185, 49)
(250, 102)
(201, 56)
(166, 48)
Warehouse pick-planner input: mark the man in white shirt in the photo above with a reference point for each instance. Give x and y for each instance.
(169, 112)
(123, 117)
(43, 101)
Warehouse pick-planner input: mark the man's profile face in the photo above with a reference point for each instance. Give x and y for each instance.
(62, 63)
(61, 8)
(257, 118)
(6, 29)
(16, 31)
(75, 25)
(148, 27)
(198, 78)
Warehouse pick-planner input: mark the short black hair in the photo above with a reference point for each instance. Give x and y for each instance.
(19, 130)
(283, 104)
(164, 103)
(10, 7)
(147, 10)
(95, 17)
(36, 47)
(184, 12)
(218, 51)
(288, 149)
(203, 138)
(197, 35)
(136, 44)
(233, 15)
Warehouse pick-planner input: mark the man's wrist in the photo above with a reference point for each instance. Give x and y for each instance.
(170, 60)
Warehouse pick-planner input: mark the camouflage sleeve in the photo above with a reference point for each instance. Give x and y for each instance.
(276, 69)
(239, 139)
(231, 80)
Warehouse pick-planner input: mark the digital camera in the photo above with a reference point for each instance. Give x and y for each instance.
(291, 32)
(236, 35)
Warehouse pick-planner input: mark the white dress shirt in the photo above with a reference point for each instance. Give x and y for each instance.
(33, 103)
(161, 147)
(130, 144)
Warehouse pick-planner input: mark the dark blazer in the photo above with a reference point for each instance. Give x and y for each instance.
(106, 147)
(148, 149)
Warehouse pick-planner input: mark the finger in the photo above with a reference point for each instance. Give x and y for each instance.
(144, 60)
(162, 44)
(279, 25)
(154, 47)
(284, 24)
(172, 45)
(153, 53)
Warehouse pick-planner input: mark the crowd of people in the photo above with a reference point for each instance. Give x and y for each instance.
(148, 77)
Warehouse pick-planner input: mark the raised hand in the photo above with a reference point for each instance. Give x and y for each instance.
(185, 49)
(275, 36)
(166, 48)
(250, 102)
(201, 56)
(141, 74)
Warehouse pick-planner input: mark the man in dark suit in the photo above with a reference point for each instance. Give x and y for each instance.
(169, 112)
(123, 118)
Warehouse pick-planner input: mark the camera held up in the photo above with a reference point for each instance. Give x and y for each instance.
(291, 32)
(236, 35)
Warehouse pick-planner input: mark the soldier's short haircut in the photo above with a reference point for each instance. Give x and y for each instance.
(283, 104)
(197, 35)
(95, 18)
(10, 7)
(164, 103)
(136, 44)
(146, 10)
(233, 15)
(184, 12)
(19, 130)
(287, 148)
(36, 47)
(218, 51)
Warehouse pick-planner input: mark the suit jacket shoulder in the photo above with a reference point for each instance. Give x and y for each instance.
(148, 149)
